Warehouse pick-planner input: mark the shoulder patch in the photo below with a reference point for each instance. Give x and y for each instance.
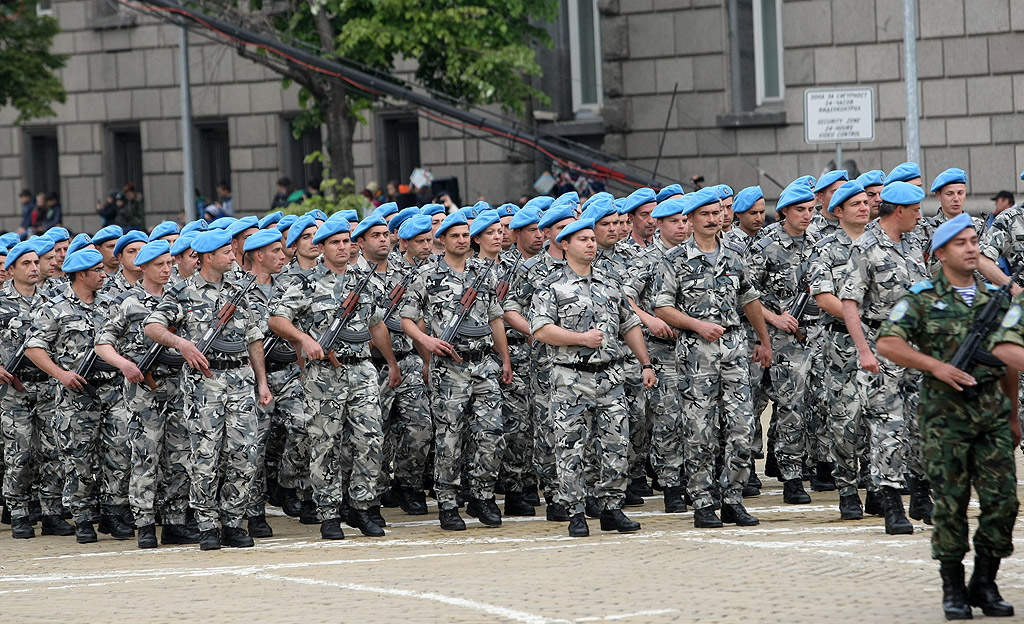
(921, 286)
(991, 287)
(899, 311)
(1012, 317)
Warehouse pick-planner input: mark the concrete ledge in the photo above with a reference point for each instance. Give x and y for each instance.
(751, 119)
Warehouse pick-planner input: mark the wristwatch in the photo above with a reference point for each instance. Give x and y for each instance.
(647, 366)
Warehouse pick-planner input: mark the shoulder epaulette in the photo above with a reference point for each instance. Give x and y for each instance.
(922, 286)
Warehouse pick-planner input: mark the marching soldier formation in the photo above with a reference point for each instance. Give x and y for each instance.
(563, 351)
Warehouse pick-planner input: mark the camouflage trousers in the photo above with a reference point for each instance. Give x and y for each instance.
(409, 427)
(293, 462)
(517, 419)
(760, 381)
(589, 412)
(543, 427)
(790, 373)
(30, 457)
(220, 413)
(719, 419)
(889, 405)
(641, 424)
(819, 434)
(93, 444)
(288, 404)
(160, 450)
(965, 445)
(663, 404)
(842, 409)
(345, 433)
(465, 402)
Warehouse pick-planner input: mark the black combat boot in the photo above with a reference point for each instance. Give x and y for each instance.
(147, 536)
(5, 517)
(873, 504)
(771, 463)
(531, 495)
(375, 515)
(390, 498)
(615, 520)
(360, 519)
(705, 518)
(21, 528)
(451, 520)
(114, 526)
(556, 511)
(484, 510)
(849, 507)
(674, 499)
(84, 533)
(412, 501)
(179, 534)
(735, 513)
(331, 529)
(591, 508)
(896, 522)
(793, 493)
(55, 525)
(954, 594)
(633, 498)
(920, 500)
(753, 481)
(290, 503)
(822, 479)
(578, 526)
(982, 591)
(236, 537)
(308, 513)
(258, 527)
(640, 486)
(515, 505)
(209, 540)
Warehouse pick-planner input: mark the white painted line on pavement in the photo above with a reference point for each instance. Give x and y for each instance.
(623, 616)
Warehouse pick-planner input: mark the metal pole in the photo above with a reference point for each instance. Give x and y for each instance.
(910, 77)
(188, 183)
(839, 156)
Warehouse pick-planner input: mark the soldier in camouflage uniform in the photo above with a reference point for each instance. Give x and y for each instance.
(340, 383)
(104, 241)
(222, 421)
(824, 223)
(950, 188)
(30, 455)
(128, 275)
(702, 290)
(186, 260)
(156, 423)
(581, 312)
(967, 425)
(884, 263)
(464, 374)
(89, 433)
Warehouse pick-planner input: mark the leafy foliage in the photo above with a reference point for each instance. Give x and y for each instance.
(27, 79)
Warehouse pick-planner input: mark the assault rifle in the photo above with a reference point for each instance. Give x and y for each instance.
(338, 325)
(210, 337)
(395, 298)
(971, 350)
(506, 278)
(89, 364)
(11, 366)
(797, 310)
(469, 295)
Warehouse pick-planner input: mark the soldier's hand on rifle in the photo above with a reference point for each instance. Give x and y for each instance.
(710, 331)
(869, 362)
(394, 376)
(661, 329)
(132, 373)
(953, 376)
(311, 348)
(194, 357)
(785, 322)
(5, 377)
(70, 379)
(592, 338)
(440, 347)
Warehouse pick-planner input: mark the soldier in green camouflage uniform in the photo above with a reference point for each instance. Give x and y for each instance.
(967, 426)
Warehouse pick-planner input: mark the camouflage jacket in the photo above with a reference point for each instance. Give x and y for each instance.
(646, 274)
(433, 297)
(124, 328)
(629, 248)
(1005, 237)
(616, 264)
(821, 226)
(397, 269)
(66, 329)
(736, 239)
(879, 272)
(704, 291)
(777, 267)
(15, 320)
(580, 303)
(827, 271)
(529, 276)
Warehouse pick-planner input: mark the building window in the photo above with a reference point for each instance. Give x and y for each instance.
(401, 145)
(768, 50)
(213, 157)
(43, 161)
(125, 158)
(44, 8)
(296, 150)
(585, 56)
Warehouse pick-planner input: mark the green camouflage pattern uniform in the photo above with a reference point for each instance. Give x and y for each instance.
(516, 400)
(878, 274)
(719, 418)
(345, 430)
(91, 436)
(777, 267)
(220, 410)
(588, 404)
(30, 456)
(465, 396)
(160, 464)
(643, 282)
(965, 442)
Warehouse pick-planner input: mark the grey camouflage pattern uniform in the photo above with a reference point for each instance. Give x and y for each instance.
(516, 400)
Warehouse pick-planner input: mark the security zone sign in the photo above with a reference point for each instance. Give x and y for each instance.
(839, 115)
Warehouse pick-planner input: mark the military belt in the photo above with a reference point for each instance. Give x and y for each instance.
(516, 339)
(665, 341)
(228, 364)
(349, 360)
(600, 367)
(274, 366)
(838, 326)
(33, 376)
(472, 356)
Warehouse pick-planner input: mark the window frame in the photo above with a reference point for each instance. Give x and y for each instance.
(760, 98)
(575, 58)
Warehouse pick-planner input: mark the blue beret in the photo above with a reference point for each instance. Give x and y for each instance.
(945, 232)
(432, 209)
(481, 206)
(902, 193)
(724, 191)
(903, 172)
(271, 219)
(42, 245)
(570, 196)
(222, 223)
(199, 225)
(541, 202)
(796, 193)
(3, 251)
(211, 240)
(105, 234)
(79, 241)
(414, 226)
(949, 176)
(328, 230)
(554, 214)
(301, 225)
(599, 197)
(671, 206)
(9, 240)
(286, 222)
(875, 177)
(525, 217)
(164, 228)
(571, 200)
(397, 220)
(456, 218)
(507, 210)
(81, 260)
(152, 251)
(184, 243)
(352, 216)
(371, 221)
(830, 178)
(57, 234)
(572, 228)
(746, 199)
(671, 190)
(484, 221)
(317, 214)
(18, 251)
(843, 193)
(135, 236)
(243, 224)
(261, 239)
(1022, 175)
(620, 204)
(386, 210)
(468, 211)
(598, 209)
(809, 180)
(638, 198)
(704, 196)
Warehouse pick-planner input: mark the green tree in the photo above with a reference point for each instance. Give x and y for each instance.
(474, 51)
(27, 81)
